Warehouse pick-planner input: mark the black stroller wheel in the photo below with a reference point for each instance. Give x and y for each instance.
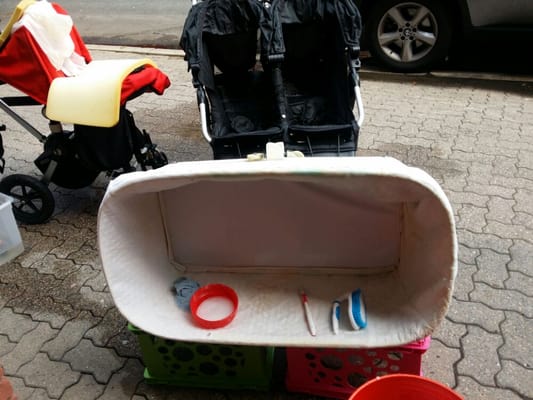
(33, 202)
(160, 160)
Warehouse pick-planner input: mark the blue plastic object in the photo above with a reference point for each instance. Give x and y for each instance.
(356, 311)
(185, 288)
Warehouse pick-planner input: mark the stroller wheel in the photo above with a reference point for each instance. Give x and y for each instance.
(33, 202)
(154, 158)
(160, 160)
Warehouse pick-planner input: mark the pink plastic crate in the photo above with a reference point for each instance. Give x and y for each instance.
(337, 372)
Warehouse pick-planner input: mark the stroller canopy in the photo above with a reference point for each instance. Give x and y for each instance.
(235, 17)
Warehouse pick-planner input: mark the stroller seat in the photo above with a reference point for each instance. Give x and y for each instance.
(318, 84)
(241, 114)
(248, 120)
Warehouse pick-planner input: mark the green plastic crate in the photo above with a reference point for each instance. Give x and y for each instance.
(205, 365)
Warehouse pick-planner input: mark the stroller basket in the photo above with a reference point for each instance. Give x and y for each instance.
(300, 90)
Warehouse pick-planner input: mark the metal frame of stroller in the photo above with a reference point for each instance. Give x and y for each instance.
(64, 161)
(203, 35)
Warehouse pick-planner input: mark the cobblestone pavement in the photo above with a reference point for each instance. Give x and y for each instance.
(62, 338)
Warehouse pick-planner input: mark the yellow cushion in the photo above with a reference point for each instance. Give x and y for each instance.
(17, 14)
(93, 97)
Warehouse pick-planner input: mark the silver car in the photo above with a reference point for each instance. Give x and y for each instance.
(415, 35)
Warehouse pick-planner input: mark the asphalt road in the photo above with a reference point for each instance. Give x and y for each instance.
(126, 22)
(159, 23)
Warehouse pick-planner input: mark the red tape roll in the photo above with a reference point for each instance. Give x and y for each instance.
(208, 292)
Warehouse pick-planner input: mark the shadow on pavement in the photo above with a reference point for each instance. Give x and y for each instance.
(501, 55)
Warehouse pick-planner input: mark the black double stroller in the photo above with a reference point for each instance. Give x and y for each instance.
(110, 142)
(276, 71)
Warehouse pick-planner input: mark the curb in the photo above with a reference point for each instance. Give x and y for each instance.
(137, 50)
(371, 70)
(464, 75)
(482, 76)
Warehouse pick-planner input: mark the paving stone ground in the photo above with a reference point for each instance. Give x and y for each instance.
(62, 338)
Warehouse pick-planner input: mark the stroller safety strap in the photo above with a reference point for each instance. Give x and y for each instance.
(93, 97)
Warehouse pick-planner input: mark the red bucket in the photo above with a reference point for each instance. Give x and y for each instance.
(404, 387)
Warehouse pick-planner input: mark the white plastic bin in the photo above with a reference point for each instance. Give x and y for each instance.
(10, 240)
(269, 228)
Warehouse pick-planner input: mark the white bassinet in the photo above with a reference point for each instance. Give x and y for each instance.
(269, 228)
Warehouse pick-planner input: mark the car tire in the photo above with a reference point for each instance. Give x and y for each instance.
(408, 36)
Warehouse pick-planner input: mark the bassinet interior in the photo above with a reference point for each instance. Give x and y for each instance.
(268, 230)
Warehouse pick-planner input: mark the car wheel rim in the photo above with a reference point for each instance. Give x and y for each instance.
(407, 32)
